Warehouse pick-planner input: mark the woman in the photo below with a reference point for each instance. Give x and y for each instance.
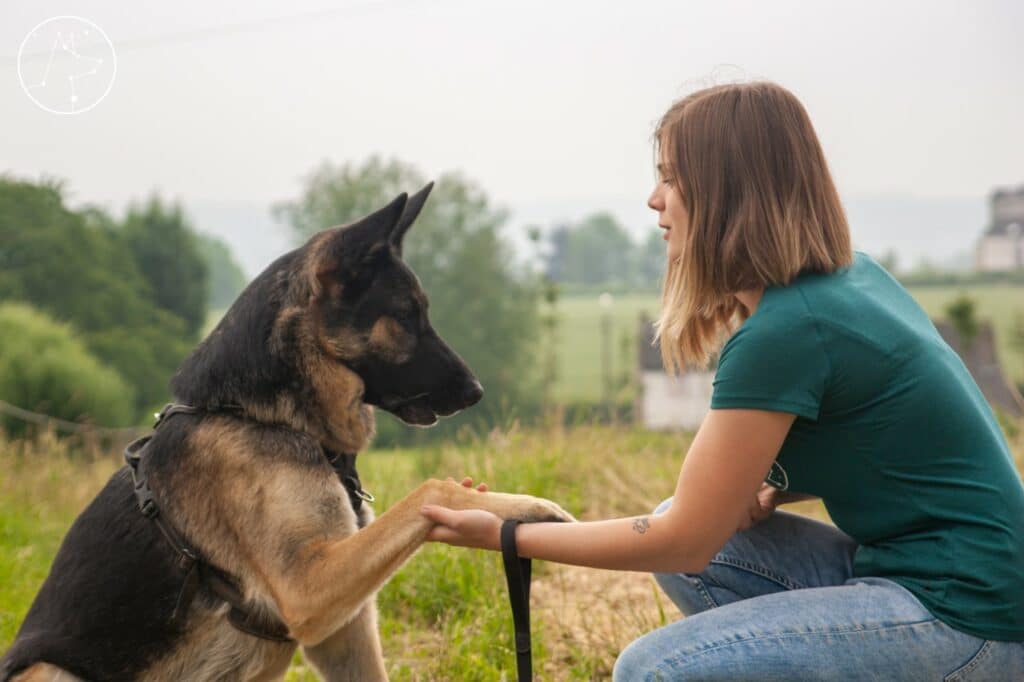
(834, 385)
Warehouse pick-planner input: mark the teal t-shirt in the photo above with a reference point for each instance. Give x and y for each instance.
(895, 437)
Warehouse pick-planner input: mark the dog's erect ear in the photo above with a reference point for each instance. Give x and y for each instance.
(342, 256)
(377, 227)
(412, 209)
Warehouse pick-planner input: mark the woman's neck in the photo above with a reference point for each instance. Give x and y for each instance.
(749, 299)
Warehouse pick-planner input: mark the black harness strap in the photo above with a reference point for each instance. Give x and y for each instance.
(198, 570)
(344, 465)
(517, 575)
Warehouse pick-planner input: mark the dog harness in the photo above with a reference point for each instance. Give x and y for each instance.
(197, 569)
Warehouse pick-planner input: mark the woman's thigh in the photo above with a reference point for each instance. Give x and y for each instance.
(783, 552)
(865, 629)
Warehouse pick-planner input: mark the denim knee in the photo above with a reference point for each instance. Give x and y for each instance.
(636, 662)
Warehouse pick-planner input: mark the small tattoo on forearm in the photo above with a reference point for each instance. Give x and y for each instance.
(641, 525)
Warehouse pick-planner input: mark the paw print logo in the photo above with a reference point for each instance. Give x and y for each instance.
(66, 65)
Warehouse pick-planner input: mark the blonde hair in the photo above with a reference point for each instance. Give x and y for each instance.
(762, 208)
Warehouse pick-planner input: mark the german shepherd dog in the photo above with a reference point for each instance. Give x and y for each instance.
(317, 340)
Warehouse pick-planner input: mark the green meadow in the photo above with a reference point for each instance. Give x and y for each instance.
(445, 615)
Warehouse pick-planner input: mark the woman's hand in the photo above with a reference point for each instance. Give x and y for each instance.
(468, 528)
(765, 502)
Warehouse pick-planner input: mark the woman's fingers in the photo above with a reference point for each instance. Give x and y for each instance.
(441, 515)
(468, 483)
(442, 534)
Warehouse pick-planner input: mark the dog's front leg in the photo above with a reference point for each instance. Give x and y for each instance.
(330, 579)
(353, 653)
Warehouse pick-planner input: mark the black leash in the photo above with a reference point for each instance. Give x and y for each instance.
(517, 575)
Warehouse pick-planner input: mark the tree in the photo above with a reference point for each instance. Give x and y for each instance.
(226, 278)
(961, 313)
(75, 267)
(481, 303)
(651, 261)
(167, 253)
(599, 252)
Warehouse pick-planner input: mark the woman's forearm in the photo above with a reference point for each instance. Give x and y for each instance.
(639, 543)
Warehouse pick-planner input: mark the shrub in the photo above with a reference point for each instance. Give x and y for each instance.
(45, 367)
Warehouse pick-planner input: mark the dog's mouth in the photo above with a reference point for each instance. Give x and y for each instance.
(422, 409)
(414, 410)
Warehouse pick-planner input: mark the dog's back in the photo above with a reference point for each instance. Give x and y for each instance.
(104, 609)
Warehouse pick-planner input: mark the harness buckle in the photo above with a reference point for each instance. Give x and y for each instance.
(148, 508)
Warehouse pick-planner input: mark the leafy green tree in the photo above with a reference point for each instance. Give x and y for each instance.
(225, 275)
(75, 267)
(480, 302)
(168, 255)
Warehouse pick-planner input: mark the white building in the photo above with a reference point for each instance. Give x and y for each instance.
(665, 402)
(1001, 247)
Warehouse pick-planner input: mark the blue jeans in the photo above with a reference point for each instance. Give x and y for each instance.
(780, 602)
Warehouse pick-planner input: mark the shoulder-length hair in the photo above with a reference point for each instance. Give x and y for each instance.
(762, 208)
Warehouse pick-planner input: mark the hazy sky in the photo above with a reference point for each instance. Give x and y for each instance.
(548, 105)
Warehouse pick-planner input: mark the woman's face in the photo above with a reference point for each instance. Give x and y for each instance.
(672, 215)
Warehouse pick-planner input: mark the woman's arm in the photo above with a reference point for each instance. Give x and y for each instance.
(723, 470)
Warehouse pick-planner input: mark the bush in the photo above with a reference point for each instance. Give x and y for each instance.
(79, 267)
(45, 368)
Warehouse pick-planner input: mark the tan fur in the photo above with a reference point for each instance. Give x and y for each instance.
(212, 651)
(389, 340)
(44, 672)
(347, 424)
(353, 652)
(280, 521)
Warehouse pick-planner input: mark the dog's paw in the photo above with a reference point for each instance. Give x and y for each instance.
(532, 509)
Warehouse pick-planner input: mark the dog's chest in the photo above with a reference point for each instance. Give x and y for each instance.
(212, 649)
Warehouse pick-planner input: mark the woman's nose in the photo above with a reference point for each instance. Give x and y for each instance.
(654, 201)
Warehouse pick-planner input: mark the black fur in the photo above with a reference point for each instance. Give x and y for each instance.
(104, 611)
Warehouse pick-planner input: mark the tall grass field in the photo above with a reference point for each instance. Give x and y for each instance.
(444, 615)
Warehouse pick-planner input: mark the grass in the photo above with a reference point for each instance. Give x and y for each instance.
(444, 615)
(581, 367)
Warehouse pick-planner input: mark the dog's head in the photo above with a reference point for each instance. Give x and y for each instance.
(370, 313)
(336, 325)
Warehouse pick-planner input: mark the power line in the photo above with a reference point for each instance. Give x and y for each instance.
(67, 426)
(242, 27)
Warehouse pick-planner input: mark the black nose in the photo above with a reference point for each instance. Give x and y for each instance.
(472, 393)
